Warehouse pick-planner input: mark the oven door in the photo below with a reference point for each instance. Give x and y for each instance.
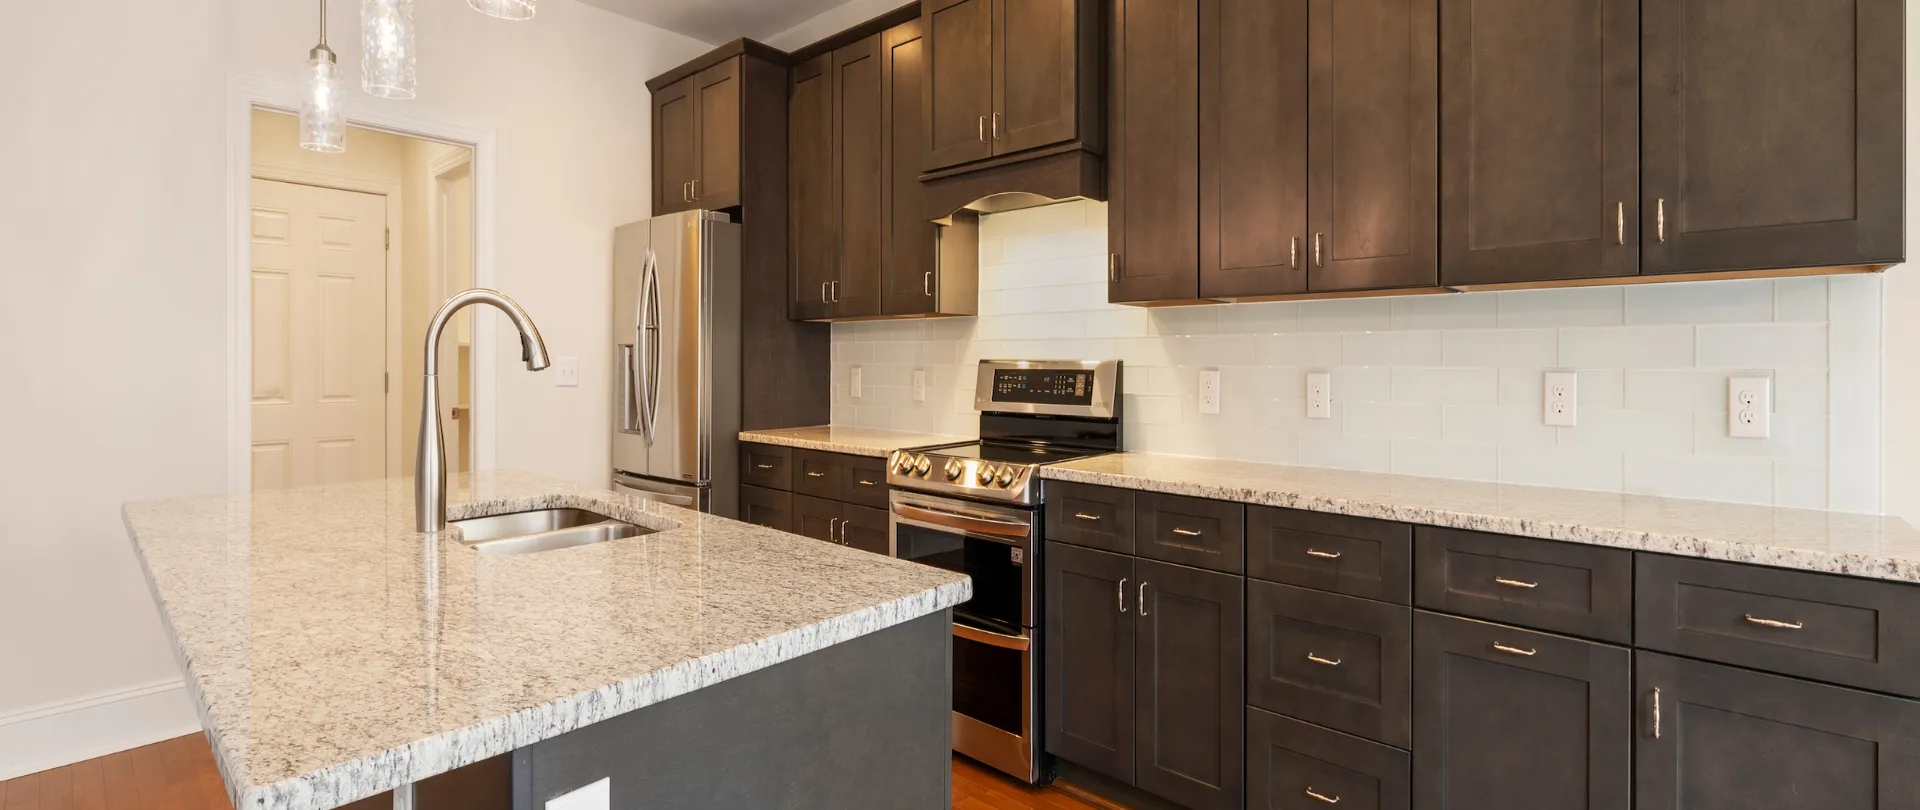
(993, 544)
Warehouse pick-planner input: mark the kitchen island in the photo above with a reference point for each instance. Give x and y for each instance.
(335, 654)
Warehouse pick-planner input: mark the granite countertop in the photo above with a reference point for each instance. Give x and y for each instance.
(330, 661)
(852, 440)
(1833, 542)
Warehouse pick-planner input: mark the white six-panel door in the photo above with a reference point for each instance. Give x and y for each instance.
(319, 335)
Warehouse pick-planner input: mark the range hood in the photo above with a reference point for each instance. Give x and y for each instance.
(1048, 176)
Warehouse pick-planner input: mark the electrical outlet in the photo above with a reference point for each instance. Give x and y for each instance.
(919, 385)
(856, 382)
(1209, 390)
(1749, 407)
(1319, 395)
(1560, 399)
(566, 371)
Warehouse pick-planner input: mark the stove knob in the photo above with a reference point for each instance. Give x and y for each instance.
(1006, 476)
(922, 465)
(954, 468)
(898, 462)
(984, 474)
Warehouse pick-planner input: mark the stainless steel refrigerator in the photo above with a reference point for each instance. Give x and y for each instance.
(676, 335)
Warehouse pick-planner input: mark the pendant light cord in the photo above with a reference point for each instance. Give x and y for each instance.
(323, 23)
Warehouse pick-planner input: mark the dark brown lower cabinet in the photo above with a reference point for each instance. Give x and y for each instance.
(1340, 661)
(1293, 765)
(767, 507)
(865, 529)
(1510, 719)
(1090, 658)
(1191, 675)
(817, 518)
(1731, 738)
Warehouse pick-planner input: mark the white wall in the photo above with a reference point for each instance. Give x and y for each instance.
(832, 21)
(1902, 335)
(112, 246)
(1430, 385)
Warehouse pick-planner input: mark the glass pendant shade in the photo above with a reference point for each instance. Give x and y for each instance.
(323, 125)
(386, 55)
(505, 9)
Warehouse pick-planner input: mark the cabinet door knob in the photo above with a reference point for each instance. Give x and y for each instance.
(1120, 594)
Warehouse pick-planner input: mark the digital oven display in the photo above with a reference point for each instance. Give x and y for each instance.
(1043, 386)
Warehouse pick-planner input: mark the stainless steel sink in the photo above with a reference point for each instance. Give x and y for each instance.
(542, 530)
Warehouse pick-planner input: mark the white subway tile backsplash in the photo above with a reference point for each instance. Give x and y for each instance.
(1440, 385)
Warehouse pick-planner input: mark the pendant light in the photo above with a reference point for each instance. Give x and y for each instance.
(505, 9)
(323, 125)
(386, 55)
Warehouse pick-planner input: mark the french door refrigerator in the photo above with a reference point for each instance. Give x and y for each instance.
(676, 335)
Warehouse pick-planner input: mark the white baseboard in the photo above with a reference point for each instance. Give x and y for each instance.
(72, 731)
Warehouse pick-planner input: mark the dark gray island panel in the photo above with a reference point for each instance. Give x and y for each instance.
(864, 723)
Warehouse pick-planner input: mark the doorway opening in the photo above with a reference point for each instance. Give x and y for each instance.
(350, 254)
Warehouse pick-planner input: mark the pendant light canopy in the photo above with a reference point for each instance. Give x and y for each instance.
(386, 56)
(323, 125)
(505, 9)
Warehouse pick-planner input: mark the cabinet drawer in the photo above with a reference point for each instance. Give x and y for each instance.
(864, 481)
(1340, 661)
(819, 474)
(766, 465)
(1831, 628)
(1350, 555)
(1293, 765)
(767, 507)
(1091, 516)
(1563, 587)
(1190, 531)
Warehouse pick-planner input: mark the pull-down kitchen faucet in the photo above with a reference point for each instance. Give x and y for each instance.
(430, 460)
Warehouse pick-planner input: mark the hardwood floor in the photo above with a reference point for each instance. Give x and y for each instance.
(179, 774)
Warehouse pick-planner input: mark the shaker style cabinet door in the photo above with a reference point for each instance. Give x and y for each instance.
(910, 236)
(1253, 154)
(1090, 658)
(1510, 719)
(1192, 672)
(1371, 144)
(676, 150)
(1153, 151)
(1539, 140)
(813, 226)
(1772, 134)
(1713, 736)
(717, 95)
(858, 181)
(959, 91)
(1035, 73)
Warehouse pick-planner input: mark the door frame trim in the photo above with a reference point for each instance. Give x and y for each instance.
(246, 94)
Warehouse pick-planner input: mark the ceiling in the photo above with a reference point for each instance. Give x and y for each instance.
(718, 21)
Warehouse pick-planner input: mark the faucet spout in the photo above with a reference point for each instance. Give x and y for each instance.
(430, 457)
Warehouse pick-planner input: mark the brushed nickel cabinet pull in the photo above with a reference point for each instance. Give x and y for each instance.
(686, 192)
(695, 185)
(1515, 583)
(1322, 796)
(1774, 623)
(983, 129)
(1620, 223)
(836, 290)
(1113, 267)
(1512, 650)
(1120, 594)
(1332, 662)
(823, 292)
(816, 475)
(764, 466)
(926, 283)
(831, 525)
(996, 126)
(1143, 598)
(1326, 555)
(1293, 251)
(1656, 712)
(1085, 516)
(1660, 218)
(843, 530)
(1186, 532)
(1319, 260)
(863, 482)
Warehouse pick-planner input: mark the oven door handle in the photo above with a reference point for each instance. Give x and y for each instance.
(990, 638)
(956, 520)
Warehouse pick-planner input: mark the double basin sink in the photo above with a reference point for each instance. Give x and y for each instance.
(542, 530)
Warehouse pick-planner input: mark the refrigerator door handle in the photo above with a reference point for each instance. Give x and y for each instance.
(650, 324)
(629, 394)
(646, 346)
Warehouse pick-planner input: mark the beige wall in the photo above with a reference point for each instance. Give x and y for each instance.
(370, 153)
(1901, 339)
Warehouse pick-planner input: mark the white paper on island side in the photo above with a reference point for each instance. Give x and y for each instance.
(597, 796)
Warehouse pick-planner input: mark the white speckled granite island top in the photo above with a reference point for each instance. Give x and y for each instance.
(851, 440)
(330, 662)
(1834, 542)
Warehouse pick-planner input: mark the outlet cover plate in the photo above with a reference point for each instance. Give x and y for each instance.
(919, 385)
(1210, 390)
(1319, 395)
(566, 371)
(856, 382)
(1560, 399)
(1749, 407)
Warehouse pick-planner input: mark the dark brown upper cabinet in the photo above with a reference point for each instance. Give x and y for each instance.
(813, 232)
(1372, 150)
(1008, 76)
(696, 124)
(1772, 134)
(1539, 140)
(1153, 153)
(911, 237)
(1253, 157)
(859, 184)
